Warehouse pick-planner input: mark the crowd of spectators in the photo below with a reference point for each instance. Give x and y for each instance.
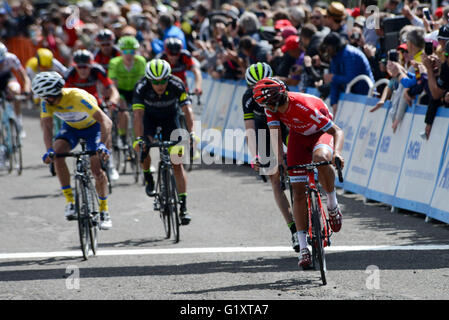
(309, 44)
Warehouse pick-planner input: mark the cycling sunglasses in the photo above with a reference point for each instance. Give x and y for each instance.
(83, 66)
(162, 81)
(129, 51)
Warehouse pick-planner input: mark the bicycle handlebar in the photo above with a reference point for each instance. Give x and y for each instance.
(313, 165)
(77, 154)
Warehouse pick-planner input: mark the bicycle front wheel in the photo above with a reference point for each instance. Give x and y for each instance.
(163, 201)
(15, 162)
(317, 239)
(82, 211)
(173, 205)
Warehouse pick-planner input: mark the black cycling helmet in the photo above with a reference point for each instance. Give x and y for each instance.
(82, 56)
(105, 35)
(173, 46)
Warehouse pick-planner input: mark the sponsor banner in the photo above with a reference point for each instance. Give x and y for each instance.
(421, 164)
(388, 163)
(236, 124)
(209, 111)
(349, 114)
(365, 147)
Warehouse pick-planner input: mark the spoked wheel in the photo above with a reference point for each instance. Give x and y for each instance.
(173, 206)
(318, 241)
(82, 211)
(162, 198)
(94, 216)
(15, 155)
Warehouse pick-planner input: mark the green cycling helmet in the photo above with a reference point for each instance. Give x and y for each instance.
(257, 71)
(157, 69)
(128, 43)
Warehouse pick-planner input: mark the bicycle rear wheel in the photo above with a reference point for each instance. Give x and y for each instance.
(317, 240)
(173, 205)
(82, 211)
(163, 201)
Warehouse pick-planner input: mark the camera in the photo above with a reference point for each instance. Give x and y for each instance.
(393, 55)
(428, 49)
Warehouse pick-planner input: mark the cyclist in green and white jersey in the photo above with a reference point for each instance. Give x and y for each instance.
(126, 70)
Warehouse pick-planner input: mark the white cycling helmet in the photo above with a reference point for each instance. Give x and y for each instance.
(157, 69)
(47, 84)
(3, 51)
(257, 71)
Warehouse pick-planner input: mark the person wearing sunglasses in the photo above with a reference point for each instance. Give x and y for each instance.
(156, 102)
(180, 61)
(126, 70)
(82, 119)
(106, 49)
(90, 76)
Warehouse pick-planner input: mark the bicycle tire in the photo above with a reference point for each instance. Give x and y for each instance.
(93, 214)
(317, 241)
(173, 205)
(16, 161)
(82, 212)
(164, 214)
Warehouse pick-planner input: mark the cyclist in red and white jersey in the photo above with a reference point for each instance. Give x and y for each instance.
(180, 61)
(105, 40)
(313, 137)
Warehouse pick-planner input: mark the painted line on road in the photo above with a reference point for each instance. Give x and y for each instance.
(127, 252)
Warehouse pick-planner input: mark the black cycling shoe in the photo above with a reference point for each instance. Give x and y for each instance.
(185, 218)
(149, 186)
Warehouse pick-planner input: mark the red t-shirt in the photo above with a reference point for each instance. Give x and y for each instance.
(184, 63)
(306, 114)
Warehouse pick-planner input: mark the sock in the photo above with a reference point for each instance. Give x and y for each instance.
(292, 227)
(183, 200)
(68, 193)
(302, 239)
(147, 174)
(103, 203)
(332, 200)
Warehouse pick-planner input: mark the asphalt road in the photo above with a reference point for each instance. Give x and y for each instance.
(236, 248)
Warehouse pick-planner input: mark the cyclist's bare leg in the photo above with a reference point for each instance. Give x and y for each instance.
(300, 205)
(62, 171)
(326, 174)
(281, 199)
(180, 177)
(101, 181)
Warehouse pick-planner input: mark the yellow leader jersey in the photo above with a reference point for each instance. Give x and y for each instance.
(75, 108)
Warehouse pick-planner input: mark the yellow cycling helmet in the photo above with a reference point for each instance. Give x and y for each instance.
(44, 58)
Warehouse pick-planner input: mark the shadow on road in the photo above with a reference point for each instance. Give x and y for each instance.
(336, 261)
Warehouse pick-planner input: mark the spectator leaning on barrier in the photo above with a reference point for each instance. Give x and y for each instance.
(289, 63)
(400, 98)
(346, 63)
(438, 84)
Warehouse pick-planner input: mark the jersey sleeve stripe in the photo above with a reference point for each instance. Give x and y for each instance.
(248, 116)
(87, 104)
(138, 106)
(328, 126)
(274, 123)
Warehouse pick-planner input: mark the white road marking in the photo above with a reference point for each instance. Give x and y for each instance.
(125, 252)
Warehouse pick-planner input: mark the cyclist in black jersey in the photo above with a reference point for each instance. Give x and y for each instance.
(256, 126)
(156, 102)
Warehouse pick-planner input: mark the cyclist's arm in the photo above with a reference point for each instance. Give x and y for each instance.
(276, 142)
(198, 78)
(25, 79)
(338, 142)
(47, 130)
(138, 121)
(105, 125)
(113, 94)
(250, 127)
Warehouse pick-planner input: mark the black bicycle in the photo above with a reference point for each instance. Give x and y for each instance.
(86, 199)
(166, 198)
(183, 125)
(318, 225)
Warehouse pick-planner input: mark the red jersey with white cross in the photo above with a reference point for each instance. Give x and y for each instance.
(306, 114)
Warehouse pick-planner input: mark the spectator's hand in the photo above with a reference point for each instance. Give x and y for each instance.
(316, 60)
(395, 125)
(377, 106)
(369, 50)
(446, 98)
(307, 61)
(407, 12)
(327, 78)
(427, 130)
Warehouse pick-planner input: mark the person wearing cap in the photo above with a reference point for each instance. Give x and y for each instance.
(292, 52)
(335, 18)
(443, 37)
(438, 82)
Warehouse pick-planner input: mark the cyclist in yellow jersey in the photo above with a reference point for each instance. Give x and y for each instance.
(82, 119)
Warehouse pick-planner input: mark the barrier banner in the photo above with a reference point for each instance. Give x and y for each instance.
(236, 125)
(365, 147)
(421, 164)
(224, 99)
(209, 111)
(438, 207)
(349, 114)
(388, 163)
